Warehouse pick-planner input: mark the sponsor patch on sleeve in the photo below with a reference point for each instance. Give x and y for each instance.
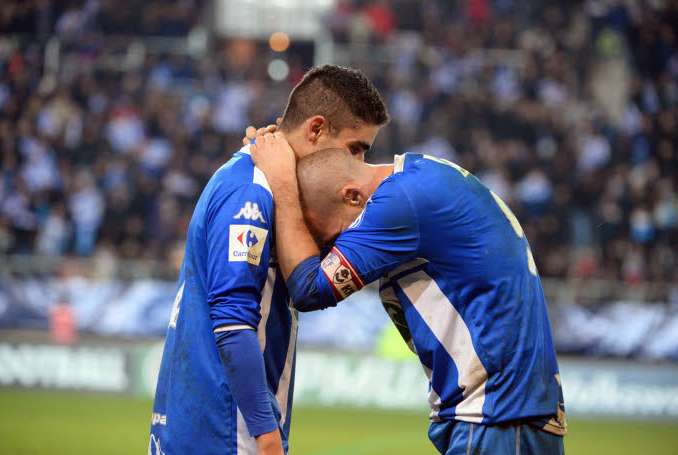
(246, 243)
(341, 275)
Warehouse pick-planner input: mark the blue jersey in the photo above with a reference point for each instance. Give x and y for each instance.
(459, 281)
(228, 278)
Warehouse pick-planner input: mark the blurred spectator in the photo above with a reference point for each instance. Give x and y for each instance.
(54, 233)
(87, 208)
(109, 162)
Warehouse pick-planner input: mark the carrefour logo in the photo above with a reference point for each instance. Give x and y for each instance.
(248, 238)
(246, 243)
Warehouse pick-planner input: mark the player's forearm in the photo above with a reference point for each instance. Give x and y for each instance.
(298, 254)
(294, 242)
(244, 368)
(276, 159)
(270, 443)
(306, 289)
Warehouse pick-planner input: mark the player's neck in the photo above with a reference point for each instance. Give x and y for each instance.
(379, 174)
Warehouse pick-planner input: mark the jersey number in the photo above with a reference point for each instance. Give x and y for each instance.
(518, 230)
(174, 315)
(504, 208)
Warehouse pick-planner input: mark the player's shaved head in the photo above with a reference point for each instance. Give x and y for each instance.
(333, 187)
(321, 177)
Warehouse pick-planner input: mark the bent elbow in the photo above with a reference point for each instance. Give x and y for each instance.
(306, 303)
(306, 288)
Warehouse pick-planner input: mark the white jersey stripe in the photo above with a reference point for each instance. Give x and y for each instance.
(246, 444)
(398, 163)
(230, 328)
(265, 306)
(283, 393)
(449, 328)
(259, 178)
(433, 397)
(258, 175)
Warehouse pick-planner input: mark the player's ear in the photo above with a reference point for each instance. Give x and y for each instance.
(316, 126)
(353, 195)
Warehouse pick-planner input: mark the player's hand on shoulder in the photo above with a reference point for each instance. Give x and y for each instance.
(251, 133)
(274, 156)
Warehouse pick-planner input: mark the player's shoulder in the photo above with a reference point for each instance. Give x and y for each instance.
(412, 164)
(240, 173)
(406, 179)
(391, 202)
(426, 172)
(237, 186)
(427, 181)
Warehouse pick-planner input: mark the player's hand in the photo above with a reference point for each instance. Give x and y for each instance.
(270, 444)
(251, 133)
(274, 156)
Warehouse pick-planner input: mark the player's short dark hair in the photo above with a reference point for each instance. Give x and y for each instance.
(344, 96)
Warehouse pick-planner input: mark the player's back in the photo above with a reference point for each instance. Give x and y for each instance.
(194, 411)
(472, 301)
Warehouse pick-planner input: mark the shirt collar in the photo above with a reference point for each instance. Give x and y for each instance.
(398, 163)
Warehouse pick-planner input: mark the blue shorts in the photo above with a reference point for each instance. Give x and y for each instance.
(462, 438)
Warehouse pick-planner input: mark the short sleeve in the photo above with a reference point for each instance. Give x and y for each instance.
(384, 236)
(238, 253)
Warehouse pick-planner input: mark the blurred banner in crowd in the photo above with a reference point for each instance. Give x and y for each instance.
(592, 388)
(114, 114)
(140, 309)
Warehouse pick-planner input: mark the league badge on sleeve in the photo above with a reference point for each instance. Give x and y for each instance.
(246, 243)
(341, 275)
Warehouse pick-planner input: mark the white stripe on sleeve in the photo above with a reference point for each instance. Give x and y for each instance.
(283, 392)
(265, 306)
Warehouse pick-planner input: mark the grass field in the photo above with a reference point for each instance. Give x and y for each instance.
(51, 423)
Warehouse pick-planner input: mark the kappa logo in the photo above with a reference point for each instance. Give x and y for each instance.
(250, 211)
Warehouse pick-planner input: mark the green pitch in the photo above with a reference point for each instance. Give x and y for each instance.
(51, 423)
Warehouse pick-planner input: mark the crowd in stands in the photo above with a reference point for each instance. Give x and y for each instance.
(567, 110)
(43, 18)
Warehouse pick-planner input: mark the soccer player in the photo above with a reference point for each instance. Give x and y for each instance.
(227, 372)
(457, 278)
